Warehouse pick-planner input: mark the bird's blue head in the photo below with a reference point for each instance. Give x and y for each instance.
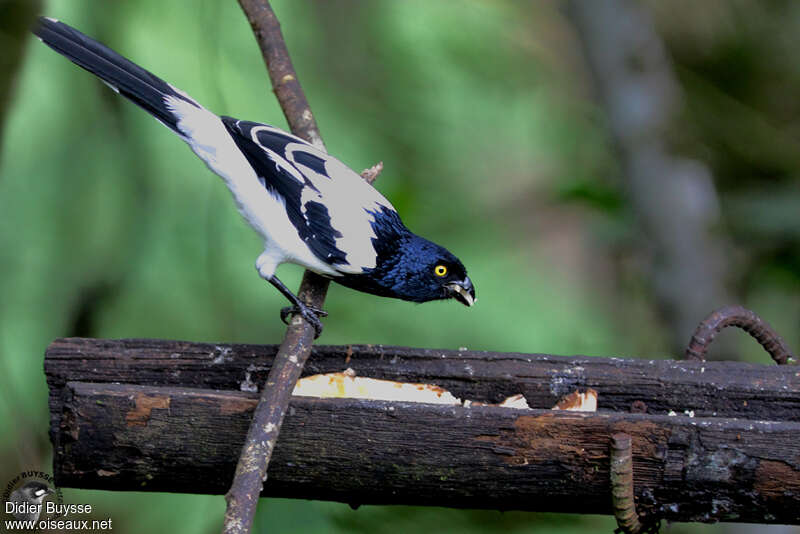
(410, 267)
(422, 271)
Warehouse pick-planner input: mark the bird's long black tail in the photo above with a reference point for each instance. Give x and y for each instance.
(128, 79)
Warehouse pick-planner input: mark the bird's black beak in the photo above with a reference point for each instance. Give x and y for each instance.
(462, 291)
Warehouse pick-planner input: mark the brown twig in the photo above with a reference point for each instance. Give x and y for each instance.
(371, 174)
(748, 321)
(251, 471)
(285, 84)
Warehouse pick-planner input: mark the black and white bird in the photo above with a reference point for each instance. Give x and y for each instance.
(310, 208)
(28, 500)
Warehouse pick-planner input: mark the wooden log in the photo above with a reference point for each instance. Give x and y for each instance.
(709, 389)
(167, 438)
(178, 419)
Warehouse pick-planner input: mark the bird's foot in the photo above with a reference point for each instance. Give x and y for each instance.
(309, 313)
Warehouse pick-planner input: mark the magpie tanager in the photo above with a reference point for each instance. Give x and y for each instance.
(310, 208)
(28, 500)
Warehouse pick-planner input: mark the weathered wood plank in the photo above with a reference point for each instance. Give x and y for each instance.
(129, 437)
(710, 389)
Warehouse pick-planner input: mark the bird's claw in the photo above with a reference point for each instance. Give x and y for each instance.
(310, 313)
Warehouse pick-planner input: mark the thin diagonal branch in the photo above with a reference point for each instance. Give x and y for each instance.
(285, 84)
(251, 471)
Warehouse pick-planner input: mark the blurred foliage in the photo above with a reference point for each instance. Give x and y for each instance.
(483, 115)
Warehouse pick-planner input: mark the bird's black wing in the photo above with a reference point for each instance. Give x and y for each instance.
(330, 205)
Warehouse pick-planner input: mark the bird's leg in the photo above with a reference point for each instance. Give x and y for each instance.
(309, 313)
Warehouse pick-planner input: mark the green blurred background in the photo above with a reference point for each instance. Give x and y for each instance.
(502, 138)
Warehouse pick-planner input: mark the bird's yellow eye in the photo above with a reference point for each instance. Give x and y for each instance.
(440, 270)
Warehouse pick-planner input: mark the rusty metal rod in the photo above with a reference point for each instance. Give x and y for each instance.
(621, 473)
(748, 321)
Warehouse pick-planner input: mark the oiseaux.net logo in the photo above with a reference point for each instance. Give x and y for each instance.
(32, 502)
